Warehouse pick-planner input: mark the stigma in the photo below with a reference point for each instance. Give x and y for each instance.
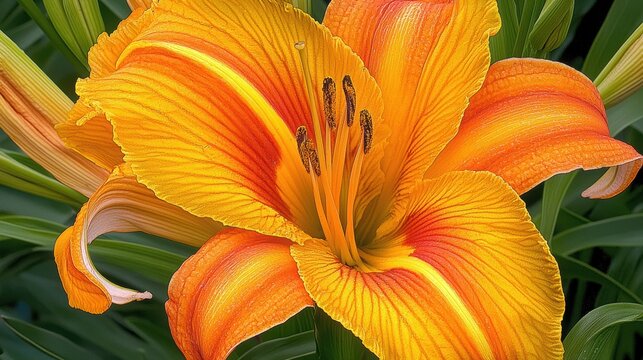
(333, 163)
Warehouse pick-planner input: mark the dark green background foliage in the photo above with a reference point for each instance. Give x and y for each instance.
(598, 243)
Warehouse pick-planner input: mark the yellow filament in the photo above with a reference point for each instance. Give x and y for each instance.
(321, 213)
(339, 158)
(332, 158)
(331, 206)
(353, 185)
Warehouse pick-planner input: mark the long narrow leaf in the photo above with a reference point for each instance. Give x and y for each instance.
(594, 336)
(572, 268)
(620, 231)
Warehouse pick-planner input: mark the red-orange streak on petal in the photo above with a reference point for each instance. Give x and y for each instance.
(475, 231)
(533, 119)
(237, 285)
(262, 67)
(256, 161)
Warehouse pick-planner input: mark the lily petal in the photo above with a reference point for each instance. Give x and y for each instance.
(429, 58)
(533, 119)
(479, 282)
(86, 129)
(211, 122)
(119, 205)
(30, 106)
(135, 4)
(239, 284)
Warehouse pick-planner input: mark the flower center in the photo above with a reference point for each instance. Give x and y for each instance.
(335, 170)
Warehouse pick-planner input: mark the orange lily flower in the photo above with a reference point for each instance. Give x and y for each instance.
(31, 109)
(350, 180)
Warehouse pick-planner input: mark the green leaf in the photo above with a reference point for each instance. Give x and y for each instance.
(336, 342)
(625, 264)
(595, 335)
(298, 346)
(502, 43)
(621, 231)
(52, 344)
(528, 15)
(85, 20)
(553, 195)
(161, 343)
(47, 27)
(626, 113)
(148, 261)
(118, 7)
(624, 16)
(572, 268)
(56, 12)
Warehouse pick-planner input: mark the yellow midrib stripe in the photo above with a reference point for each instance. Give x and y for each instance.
(417, 266)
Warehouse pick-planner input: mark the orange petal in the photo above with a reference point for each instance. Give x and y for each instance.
(236, 286)
(429, 58)
(534, 119)
(86, 129)
(479, 281)
(30, 105)
(135, 4)
(119, 205)
(215, 103)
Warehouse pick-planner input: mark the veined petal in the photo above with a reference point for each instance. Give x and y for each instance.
(398, 314)
(474, 230)
(429, 58)
(88, 132)
(533, 119)
(30, 105)
(217, 93)
(479, 281)
(119, 205)
(86, 129)
(237, 285)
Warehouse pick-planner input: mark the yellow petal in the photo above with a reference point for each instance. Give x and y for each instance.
(210, 122)
(236, 286)
(534, 119)
(119, 205)
(135, 4)
(429, 58)
(86, 129)
(479, 281)
(30, 106)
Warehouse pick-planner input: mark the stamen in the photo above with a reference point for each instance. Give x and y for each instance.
(302, 136)
(351, 99)
(366, 123)
(313, 156)
(330, 91)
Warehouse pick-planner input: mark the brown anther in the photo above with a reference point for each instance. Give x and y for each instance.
(302, 138)
(330, 93)
(313, 157)
(351, 99)
(366, 123)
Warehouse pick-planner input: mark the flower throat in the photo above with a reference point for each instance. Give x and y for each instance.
(326, 158)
